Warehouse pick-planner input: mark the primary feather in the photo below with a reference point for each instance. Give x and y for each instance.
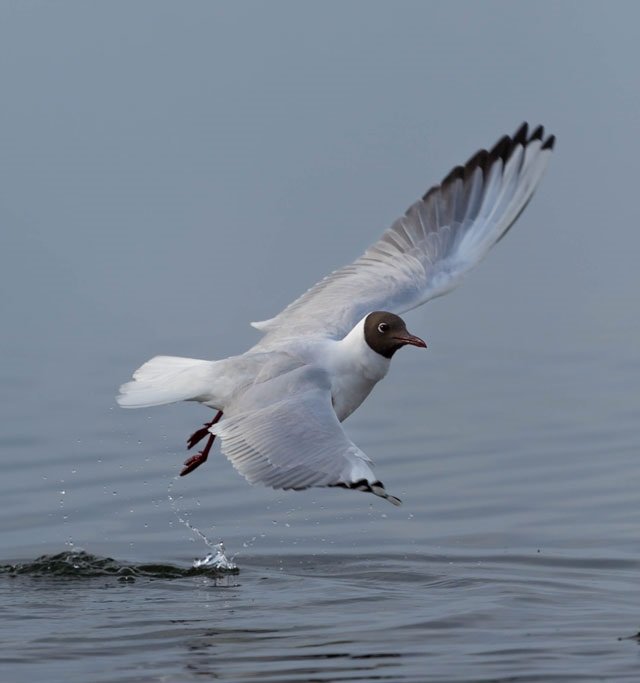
(426, 252)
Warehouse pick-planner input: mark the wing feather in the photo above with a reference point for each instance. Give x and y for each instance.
(284, 433)
(426, 252)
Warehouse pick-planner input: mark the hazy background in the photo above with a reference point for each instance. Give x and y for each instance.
(171, 171)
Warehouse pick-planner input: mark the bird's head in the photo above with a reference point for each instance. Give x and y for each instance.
(386, 332)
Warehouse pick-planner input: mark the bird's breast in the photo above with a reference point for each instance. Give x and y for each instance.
(348, 391)
(353, 376)
(352, 367)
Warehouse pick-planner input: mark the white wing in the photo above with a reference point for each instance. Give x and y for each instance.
(425, 253)
(284, 433)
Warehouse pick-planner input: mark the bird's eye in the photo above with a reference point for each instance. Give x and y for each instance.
(383, 327)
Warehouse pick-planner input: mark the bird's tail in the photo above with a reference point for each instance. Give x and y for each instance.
(167, 379)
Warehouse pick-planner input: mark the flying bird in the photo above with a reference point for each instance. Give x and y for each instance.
(279, 406)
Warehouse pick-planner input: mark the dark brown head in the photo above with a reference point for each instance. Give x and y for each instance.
(385, 333)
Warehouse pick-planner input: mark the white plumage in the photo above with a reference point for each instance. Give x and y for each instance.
(283, 400)
(167, 379)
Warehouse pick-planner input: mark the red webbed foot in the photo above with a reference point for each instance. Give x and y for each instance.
(195, 461)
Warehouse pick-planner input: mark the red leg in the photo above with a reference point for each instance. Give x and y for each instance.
(198, 435)
(194, 461)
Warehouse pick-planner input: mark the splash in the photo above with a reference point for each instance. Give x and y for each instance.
(78, 564)
(217, 558)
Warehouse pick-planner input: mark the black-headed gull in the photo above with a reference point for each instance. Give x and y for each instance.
(282, 401)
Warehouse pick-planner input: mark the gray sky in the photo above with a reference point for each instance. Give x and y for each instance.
(170, 171)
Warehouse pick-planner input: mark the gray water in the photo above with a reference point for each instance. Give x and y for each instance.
(171, 172)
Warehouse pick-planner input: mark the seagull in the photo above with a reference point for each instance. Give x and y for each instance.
(279, 406)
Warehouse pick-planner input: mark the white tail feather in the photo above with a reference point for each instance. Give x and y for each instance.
(168, 379)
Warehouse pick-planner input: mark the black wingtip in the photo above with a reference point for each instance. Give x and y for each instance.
(479, 159)
(503, 149)
(537, 134)
(500, 149)
(520, 136)
(455, 174)
(549, 143)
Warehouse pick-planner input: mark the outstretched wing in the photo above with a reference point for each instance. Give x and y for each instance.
(284, 433)
(425, 253)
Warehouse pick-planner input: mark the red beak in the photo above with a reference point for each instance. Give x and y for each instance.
(413, 340)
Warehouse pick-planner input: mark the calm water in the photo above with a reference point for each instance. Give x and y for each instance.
(514, 557)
